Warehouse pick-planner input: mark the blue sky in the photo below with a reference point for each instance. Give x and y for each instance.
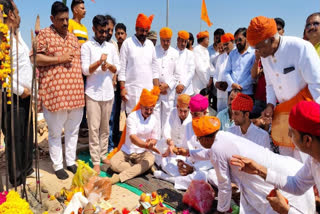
(183, 14)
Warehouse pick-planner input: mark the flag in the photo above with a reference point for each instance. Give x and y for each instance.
(93, 1)
(204, 13)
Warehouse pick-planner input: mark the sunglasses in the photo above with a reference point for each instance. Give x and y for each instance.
(315, 24)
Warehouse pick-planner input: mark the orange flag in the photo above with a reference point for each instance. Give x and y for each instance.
(204, 13)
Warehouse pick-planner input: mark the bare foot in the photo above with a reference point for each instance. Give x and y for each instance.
(106, 161)
(97, 169)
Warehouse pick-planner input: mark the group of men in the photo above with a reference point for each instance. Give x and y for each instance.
(256, 75)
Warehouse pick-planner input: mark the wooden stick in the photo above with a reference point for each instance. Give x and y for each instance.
(6, 134)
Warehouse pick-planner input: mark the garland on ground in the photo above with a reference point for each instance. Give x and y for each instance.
(11, 203)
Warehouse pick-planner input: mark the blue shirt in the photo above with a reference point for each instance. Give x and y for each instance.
(238, 69)
(225, 122)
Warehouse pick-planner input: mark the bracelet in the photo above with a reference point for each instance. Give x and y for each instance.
(122, 87)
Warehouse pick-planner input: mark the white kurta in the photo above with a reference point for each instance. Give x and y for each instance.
(139, 67)
(168, 74)
(254, 134)
(186, 70)
(204, 68)
(222, 96)
(252, 187)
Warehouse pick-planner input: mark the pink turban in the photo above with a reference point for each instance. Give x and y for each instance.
(198, 103)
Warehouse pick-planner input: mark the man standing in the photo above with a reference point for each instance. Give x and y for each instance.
(185, 65)
(238, 69)
(100, 61)
(241, 107)
(152, 36)
(139, 66)
(121, 34)
(280, 25)
(61, 93)
(204, 68)
(292, 71)
(312, 30)
(23, 146)
(213, 49)
(167, 57)
(75, 26)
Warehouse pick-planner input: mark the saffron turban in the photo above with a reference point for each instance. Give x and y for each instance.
(260, 29)
(202, 34)
(198, 103)
(227, 37)
(305, 117)
(143, 21)
(242, 102)
(183, 100)
(149, 98)
(165, 33)
(183, 34)
(205, 125)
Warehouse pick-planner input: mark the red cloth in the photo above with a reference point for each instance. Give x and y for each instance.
(242, 102)
(305, 117)
(261, 93)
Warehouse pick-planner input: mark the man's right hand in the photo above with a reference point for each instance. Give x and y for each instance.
(103, 58)
(181, 151)
(179, 88)
(67, 57)
(123, 95)
(236, 86)
(26, 93)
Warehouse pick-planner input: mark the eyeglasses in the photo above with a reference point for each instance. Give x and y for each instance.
(315, 24)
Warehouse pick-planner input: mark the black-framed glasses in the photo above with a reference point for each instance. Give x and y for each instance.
(315, 24)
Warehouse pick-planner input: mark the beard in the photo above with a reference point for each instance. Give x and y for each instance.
(109, 36)
(141, 38)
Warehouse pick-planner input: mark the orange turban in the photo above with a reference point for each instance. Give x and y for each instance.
(242, 102)
(143, 21)
(227, 37)
(183, 100)
(202, 34)
(149, 98)
(183, 34)
(205, 125)
(165, 33)
(260, 29)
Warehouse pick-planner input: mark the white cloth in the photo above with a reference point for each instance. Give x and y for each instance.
(69, 120)
(25, 68)
(306, 178)
(144, 129)
(204, 68)
(252, 187)
(254, 134)
(186, 70)
(218, 74)
(302, 57)
(139, 66)
(99, 85)
(294, 153)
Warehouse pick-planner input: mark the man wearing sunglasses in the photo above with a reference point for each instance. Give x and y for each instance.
(312, 30)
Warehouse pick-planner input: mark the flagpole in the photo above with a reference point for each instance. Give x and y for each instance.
(167, 20)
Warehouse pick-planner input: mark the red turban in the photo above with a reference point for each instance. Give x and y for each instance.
(227, 37)
(198, 103)
(205, 125)
(305, 117)
(165, 33)
(260, 29)
(143, 21)
(183, 34)
(242, 102)
(203, 34)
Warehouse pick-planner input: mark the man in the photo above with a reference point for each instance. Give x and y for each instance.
(75, 26)
(213, 49)
(61, 93)
(219, 82)
(240, 61)
(190, 42)
(121, 34)
(305, 134)
(181, 170)
(204, 68)
(280, 25)
(135, 155)
(139, 66)
(225, 116)
(221, 146)
(99, 60)
(152, 35)
(288, 79)
(23, 146)
(241, 107)
(312, 30)
(185, 65)
(167, 57)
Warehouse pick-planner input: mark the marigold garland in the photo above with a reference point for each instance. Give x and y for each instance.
(14, 205)
(5, 66)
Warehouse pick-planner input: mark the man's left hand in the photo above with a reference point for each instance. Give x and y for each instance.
(163, 88)
(278, 203)
(184, 168)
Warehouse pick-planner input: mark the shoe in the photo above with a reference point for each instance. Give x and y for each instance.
(61, 174)
(72, 168)
(83, 132)
(115, 179)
